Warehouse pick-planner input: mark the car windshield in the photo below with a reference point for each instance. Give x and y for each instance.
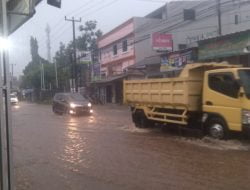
(76, 97)
(245, 78)
(13, 96)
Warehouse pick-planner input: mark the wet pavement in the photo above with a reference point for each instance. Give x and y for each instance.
(106, 152)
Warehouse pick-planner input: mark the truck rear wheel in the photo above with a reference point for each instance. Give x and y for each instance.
(135, 119)
(217, 128)
(140, 120)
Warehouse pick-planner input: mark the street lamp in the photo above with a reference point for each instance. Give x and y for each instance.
(4, 43)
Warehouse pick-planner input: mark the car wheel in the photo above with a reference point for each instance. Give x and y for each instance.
(56, 111)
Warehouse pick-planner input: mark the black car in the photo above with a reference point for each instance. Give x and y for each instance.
(71, 103)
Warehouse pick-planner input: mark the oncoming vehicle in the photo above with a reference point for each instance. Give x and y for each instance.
(13, 99)
(71, 103)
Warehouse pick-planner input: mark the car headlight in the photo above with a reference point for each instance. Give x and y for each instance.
(89, 104)
(72, 105)
(245, 116)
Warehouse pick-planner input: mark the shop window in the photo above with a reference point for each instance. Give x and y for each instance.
(125, 45)
(182, 46)
(115, 49)
(224, 83)
(236, 19)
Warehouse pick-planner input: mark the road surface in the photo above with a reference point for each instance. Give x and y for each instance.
(106, 152)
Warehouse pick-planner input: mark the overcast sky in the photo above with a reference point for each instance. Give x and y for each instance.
(108, 14)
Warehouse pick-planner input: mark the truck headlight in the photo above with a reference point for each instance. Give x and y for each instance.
(89, 104)
(245, 116)
(72, 105)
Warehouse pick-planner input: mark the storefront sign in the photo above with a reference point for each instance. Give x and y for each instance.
(162, 42)
(175, 60)
(231, 45)
(201, 36)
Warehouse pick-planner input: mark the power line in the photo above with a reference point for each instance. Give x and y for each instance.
(94, 11)
(169, 28)
(178, 15)
(60, 24)
(147, 36)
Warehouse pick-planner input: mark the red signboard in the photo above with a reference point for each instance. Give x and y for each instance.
(162, 42)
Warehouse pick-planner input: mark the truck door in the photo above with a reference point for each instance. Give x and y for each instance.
(221, 96)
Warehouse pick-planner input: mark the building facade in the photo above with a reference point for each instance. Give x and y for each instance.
(117, 52)
(190, 22)
(129, 46)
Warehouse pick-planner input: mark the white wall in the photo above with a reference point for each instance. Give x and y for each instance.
(190, 32)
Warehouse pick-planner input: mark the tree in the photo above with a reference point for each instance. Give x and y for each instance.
(64, 66)
(32, 72)
(34, 50)
(88, 39)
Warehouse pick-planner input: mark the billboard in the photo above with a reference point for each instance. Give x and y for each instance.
(175, 60)
(84, 57)
(162, 42)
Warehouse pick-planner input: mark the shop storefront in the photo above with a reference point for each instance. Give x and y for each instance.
(234, 48)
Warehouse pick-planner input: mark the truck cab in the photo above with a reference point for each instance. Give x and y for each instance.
(226, 103)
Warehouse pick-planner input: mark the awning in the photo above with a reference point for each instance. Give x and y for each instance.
(225, 46)
(19, 11)
(110, 79)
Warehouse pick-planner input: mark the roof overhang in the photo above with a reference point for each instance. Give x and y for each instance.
(19, 12)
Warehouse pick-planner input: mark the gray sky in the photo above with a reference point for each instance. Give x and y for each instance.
(108, 14)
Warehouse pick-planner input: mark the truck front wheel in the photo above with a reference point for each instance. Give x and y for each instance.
(217, 128)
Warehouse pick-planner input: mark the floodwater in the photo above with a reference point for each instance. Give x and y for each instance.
(105, 151)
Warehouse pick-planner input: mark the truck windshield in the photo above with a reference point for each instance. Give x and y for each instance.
(245, 78)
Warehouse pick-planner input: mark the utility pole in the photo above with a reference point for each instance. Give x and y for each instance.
(12, 75)
(42, 75)
(219, 16)
(56, 74)
(47, 30)
(73, 20)
(12, 70)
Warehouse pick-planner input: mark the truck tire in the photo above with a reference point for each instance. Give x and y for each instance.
(141, 121)
(135, 119)
(217, 128)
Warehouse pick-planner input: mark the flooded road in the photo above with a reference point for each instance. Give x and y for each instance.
(106, 152)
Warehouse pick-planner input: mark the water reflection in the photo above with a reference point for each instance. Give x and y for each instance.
(91, 119)
(16, 107)
(75, 148)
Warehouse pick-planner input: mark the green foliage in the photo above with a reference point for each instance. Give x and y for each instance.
(32, 72)
(32, 76)
(34, 50)
(87, 41)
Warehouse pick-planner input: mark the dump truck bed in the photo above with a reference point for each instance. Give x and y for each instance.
(183, 92)
(175, 93)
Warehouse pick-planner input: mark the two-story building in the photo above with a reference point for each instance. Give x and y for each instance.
(117, 52)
